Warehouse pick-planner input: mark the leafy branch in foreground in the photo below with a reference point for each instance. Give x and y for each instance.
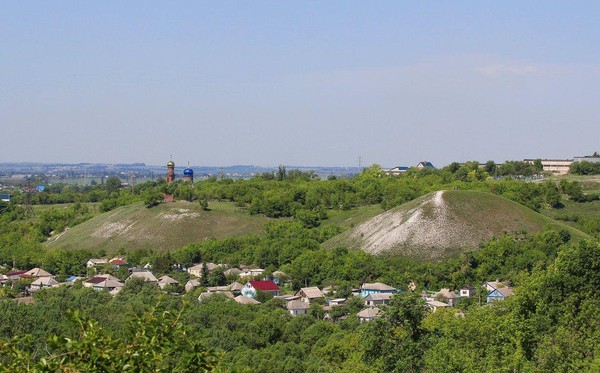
(159, 344)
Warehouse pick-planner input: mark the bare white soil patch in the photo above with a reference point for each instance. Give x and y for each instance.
(181, 215)
(108, 230)
(427, 226)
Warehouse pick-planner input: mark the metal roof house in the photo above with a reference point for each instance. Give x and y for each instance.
(425, 164)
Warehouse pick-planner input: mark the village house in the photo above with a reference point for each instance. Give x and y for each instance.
(14, 275)
(377, 299)
(424, 165)
(396, 171)
(337, 302)
(104, 282)
(493, 285)
(166, 280)
(236, 287)
(252, 273)
(37, 273)
(242, 299)
(196, 270)
(278, 277)
(435, 304)
(368, 314)
(43, 282)
(232, 272)
(296, 307)
(310, 294)
(96, 262)
(145, 275)
(205, 295)
(252, 287)
(499, 294)
(191, 284)
(467, 291)
(375, 288)
(118, 263)
(447, 296)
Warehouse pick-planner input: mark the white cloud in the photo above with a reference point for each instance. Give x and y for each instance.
(504, 69)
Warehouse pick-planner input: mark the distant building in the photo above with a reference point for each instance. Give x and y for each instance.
(170, 171)
(396, 171)
(555, 166)
(587, 158)
(425, 164)
(188, 175)
(5, 197)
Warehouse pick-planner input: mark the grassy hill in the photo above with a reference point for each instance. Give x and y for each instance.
(167, 226)
(444, 223)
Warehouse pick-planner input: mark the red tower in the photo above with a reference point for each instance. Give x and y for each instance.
(170, 171)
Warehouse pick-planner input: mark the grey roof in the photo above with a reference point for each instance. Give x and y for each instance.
(168, 280)
(232, 272)
(368, 313)
(191, 284)
(507, 292)
(235, 286)
(45, 281)
(377, 286)
(378, 296)
(37, 272)
(437, 303)
(245, 300)
(146, 275)
(207, 294)
(446, 293)
(297, 305)
(311, 292)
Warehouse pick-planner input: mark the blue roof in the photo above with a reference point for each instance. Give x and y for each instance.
(426, 164)
(71, 278)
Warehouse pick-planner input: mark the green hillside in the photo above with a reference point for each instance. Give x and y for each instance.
(442, 224)
(167, 226)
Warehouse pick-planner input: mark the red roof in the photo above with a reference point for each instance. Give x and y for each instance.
(16, 273)
(96, 280)
(264, 285)
(118, 262)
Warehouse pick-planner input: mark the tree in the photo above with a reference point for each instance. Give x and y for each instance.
(490, 167)
(152, 198)
(113, 184)
(281, 173)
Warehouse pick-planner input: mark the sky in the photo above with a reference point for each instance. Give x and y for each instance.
(307, 83)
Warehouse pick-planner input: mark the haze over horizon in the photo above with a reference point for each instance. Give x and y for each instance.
(308, 83)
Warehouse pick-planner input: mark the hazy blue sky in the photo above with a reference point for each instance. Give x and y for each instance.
(298, 83)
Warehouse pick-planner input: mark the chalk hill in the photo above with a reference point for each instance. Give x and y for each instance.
(167, 226)
(444, 223)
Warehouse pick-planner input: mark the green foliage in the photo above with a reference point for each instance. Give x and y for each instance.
(159, 343)
(585, 168)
